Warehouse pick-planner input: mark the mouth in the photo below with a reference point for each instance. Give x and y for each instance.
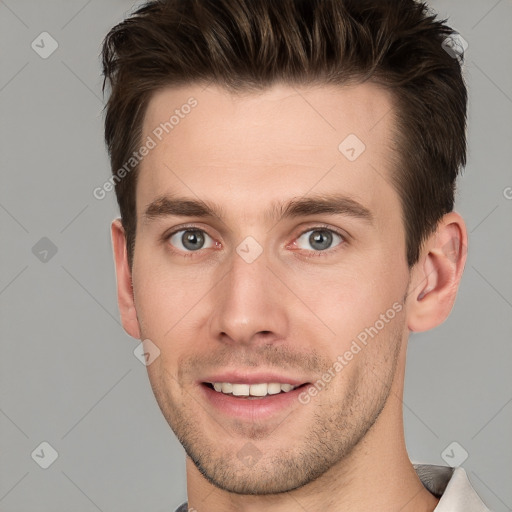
(252, 402)
(251, 391)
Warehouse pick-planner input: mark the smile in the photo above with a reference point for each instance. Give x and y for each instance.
(257, 390)
(251, 402)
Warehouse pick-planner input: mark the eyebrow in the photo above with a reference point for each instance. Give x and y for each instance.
(325, 204)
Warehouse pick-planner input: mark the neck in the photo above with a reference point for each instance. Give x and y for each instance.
(377, 475)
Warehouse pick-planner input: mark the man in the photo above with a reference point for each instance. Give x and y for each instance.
(285, 174)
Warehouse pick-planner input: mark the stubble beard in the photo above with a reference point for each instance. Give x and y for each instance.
(334, 429)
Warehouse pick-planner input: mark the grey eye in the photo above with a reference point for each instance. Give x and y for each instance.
(190, 240)
(319, 239)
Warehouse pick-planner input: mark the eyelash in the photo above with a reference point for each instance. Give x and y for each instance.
(166, 237)
(326, 252)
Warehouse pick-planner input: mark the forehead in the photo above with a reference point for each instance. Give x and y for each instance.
(249, 149)
(319, 111)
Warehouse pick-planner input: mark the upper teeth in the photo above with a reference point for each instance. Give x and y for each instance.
(262, 389)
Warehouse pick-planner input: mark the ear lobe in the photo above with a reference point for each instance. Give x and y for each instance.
(125, 298)
(435, 278)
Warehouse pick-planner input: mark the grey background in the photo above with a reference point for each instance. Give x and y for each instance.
(68, 373)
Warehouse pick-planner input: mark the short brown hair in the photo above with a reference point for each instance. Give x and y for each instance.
(247, 45)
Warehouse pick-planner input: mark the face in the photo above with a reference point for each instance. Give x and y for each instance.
(269, 255)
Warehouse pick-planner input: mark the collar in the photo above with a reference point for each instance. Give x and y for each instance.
(452, 486)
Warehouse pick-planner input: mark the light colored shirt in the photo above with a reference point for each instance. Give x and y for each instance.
(451, 485)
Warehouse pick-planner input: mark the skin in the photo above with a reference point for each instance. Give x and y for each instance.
(294, 309)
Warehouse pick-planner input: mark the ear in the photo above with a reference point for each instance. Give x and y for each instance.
(436, 276)
(125, 298)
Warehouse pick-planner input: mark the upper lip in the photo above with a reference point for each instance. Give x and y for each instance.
(239, 377)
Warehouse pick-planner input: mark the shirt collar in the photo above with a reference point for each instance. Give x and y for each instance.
(452, 486)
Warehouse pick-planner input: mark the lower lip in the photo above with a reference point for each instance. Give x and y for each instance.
(252, 409)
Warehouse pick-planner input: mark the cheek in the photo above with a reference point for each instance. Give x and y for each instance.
(164, 298)
(350, 304)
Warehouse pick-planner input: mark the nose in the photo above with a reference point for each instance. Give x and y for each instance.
(250, 306)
